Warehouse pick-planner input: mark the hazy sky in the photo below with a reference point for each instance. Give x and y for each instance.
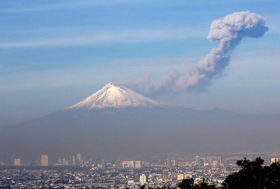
(55, 53)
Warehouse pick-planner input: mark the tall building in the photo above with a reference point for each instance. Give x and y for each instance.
(128, 164)
(221, 159)
(210, 161)
(65, 161)
(173, 162)
(132, 164)
(44, 160)
(73, 160)
(16, 162)
(79, 158)
(180, 176)
(143, 179)
(11, 160)
(202, 161)
(137, 164)
(103, 163)
(197, 160)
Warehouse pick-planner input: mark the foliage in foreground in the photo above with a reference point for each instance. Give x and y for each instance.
(253, 175)
(188, 183)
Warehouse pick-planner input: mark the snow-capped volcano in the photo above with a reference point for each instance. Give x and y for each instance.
(115, 96)
(90, 128)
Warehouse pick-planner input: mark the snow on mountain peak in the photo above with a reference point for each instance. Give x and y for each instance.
(115, 96)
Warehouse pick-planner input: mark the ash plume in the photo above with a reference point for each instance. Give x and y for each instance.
(228, 31)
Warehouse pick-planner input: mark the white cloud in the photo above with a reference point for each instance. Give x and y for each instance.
(101, 37)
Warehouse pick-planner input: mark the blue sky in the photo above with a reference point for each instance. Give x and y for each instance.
(55, 53)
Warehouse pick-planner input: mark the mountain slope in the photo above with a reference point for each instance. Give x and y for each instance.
(116, 120)
(115, 96)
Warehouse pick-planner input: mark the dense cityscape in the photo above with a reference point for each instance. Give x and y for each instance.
(76, 172)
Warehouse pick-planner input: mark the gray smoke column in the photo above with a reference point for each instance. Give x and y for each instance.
(228, 31)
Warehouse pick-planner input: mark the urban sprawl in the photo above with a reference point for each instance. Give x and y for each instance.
(157, 171)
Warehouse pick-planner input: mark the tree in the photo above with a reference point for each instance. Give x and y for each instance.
(188, 183)
(203, 185)
(253, 175)
(143, 186)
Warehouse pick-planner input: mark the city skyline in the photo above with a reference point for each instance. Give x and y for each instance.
(156, 172)
(54, 54)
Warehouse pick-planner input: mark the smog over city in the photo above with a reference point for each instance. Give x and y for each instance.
(179, 89)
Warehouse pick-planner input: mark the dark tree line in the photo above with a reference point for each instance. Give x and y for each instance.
(253, 175)
(188, 183)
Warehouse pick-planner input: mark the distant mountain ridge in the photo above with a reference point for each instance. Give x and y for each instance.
(115, 96)
(116, 120)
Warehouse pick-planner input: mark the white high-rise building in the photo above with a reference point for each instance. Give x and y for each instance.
(44, 160)
(143, 179)
(16, 162)
(103, 163)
